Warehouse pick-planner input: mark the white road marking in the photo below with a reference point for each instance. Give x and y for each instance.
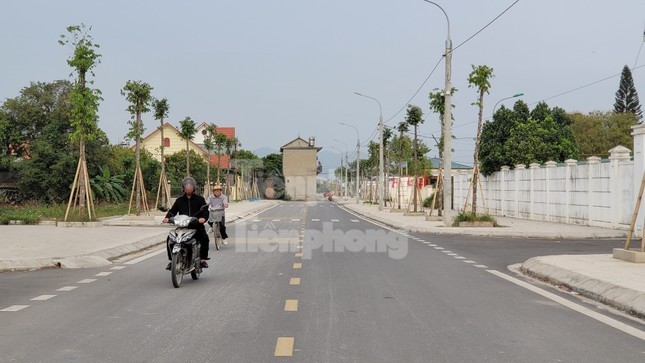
(354, 220)
(432, 245)
(256, 220)
(295, 220)
(448, 251)
(334, 220)
(117, 268)
(481, 266)
(43, 297)
(426, 243)
(573, 306)
(145, 257)
(438, 248)
(101, 274)
(275, 220)
(15, 308)
(67, 288)
(460, 257)
(86, 281)
(315, 220)
(469, 261)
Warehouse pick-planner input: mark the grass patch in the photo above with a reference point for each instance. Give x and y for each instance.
(471, 217)
(34, 213)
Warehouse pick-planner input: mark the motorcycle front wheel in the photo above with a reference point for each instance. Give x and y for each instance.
(176, 270)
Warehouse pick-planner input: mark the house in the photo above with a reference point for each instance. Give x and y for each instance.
(173, 143)
(300, 166)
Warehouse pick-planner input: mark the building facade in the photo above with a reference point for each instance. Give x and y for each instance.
(300, 166)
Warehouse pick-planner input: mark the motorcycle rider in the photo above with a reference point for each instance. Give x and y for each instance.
(191, 204)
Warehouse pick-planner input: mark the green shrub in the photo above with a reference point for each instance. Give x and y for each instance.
(470, 217)
(428, 201)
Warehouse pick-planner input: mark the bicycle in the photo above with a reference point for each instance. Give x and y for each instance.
(215, 217)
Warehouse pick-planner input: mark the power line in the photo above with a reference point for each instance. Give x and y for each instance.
(439, 62)
(485, 26)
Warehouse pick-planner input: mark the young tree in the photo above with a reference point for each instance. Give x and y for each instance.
(187, 132)
(138, 94)
(414, 118)
(402, 127)
(85, 104)
(479, 78)
(626, 96)
(438, 105)
(161, 108)
(220, 144)
(209, 144)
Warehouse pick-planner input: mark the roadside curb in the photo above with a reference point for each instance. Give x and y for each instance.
(105, 257)
(620, 297)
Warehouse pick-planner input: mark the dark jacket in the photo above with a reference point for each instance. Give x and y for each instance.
(190, 207)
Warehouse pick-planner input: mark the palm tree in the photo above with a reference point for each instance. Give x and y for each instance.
(161, 109)
(414, 118)
(187, 132)
(139, 95)
(480, 78)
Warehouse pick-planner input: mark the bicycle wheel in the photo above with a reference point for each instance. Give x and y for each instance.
(217, 237)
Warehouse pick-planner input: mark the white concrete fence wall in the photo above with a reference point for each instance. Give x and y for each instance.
(594, 192)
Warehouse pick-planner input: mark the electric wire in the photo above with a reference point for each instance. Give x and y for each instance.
(441, 58)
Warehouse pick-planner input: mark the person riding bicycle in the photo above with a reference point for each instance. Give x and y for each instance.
(191, 204)
(218, 202)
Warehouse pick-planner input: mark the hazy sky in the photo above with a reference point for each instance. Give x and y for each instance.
(280, 69)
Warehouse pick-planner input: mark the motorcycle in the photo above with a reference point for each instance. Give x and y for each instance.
(184, 249)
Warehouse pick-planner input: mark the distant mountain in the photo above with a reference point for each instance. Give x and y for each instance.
(264, 151)
(329, 159)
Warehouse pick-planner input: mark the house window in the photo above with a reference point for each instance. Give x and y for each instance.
(166, 142)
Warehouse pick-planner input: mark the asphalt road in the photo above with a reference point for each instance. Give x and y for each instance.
(310, 282)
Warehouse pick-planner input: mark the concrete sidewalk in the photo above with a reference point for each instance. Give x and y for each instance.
(611, 281)
(25, 247)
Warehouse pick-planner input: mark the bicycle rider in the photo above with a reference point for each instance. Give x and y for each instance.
(218, 202)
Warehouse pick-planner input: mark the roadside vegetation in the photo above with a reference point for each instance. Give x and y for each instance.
(35, 213)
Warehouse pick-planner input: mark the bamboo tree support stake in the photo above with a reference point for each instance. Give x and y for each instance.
(134, 180)
(635, 215)
(481, 190)
(438, 191)
(88, 192)
(142, 190)
(73, 191)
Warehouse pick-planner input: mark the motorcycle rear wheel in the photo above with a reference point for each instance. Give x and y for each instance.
(176, 270)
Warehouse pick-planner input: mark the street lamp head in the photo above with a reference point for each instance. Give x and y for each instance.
(518, 94)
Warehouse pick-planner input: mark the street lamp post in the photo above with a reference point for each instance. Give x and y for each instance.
(506, 98)
(341, 170)
(381, 178)
(447, 121)
(358, 161)
(346, 167)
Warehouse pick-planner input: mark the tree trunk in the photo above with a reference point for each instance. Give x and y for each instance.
(163, 169)
(187, 160)
(81, 180)
(476, 156)
(137, 163)
(415, 169)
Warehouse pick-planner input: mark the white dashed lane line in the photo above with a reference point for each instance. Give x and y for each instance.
(86, 281)
(67, 288)
(101, 274)
(13, 308)
(117, 268)
(43, 297)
